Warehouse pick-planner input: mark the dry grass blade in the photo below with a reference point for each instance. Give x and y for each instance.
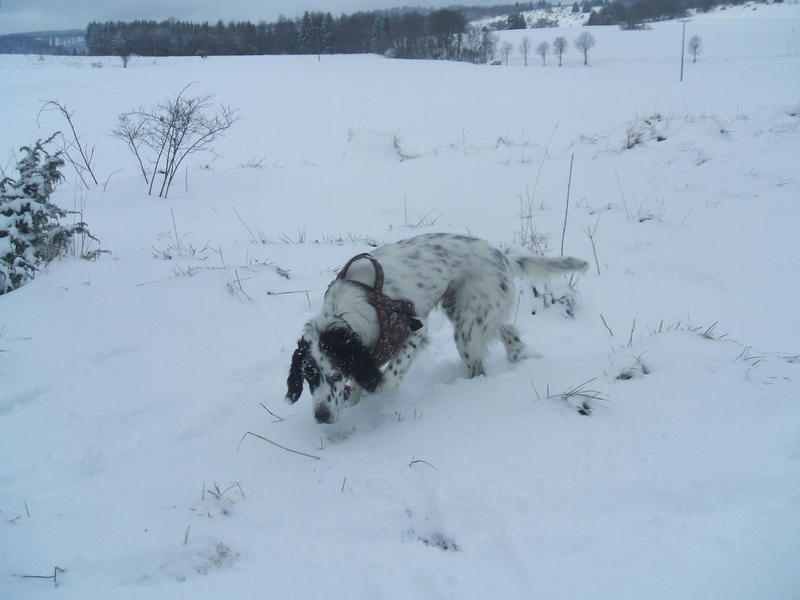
(581, 391)
(269, 441)
(278, 419)
(241, 289)
(583, 395)
(602, 318)
(710, 334)
(415, 461)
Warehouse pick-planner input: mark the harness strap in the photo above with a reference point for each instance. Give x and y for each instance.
(396, 318)
(378, 285)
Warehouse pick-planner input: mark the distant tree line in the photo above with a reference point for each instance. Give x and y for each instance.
(633, 14)
(43, 42)
(440, 34)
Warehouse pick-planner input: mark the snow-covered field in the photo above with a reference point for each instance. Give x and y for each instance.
(127, 384)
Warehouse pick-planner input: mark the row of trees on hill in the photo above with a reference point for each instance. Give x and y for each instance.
(438, 34)
(633, 14)
(442, 34)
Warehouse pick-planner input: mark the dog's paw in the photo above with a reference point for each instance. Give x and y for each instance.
(352, 394)
(389, 384)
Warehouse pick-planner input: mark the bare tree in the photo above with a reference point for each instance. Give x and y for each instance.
(488, 44)
(525, 47)
(695, 47)
(542, 50)
(560, 47)
(505, 50)
(165, 135)
(585, 42)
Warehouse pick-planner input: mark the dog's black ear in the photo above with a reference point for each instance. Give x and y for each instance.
(347, 352)
(295, 380)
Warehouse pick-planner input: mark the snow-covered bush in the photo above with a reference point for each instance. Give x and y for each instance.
(30, 232)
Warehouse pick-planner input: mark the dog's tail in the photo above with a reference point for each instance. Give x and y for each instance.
(541, 267)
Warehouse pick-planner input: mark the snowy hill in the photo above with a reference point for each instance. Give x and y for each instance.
(128, 385)
(562, 14)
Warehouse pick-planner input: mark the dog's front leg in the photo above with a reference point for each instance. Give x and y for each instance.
(354, 396)
(399, 364)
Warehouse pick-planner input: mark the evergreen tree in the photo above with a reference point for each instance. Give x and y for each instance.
(328, 34)
(381, 39)
(305, 35)
(516, 21)
(30, 233)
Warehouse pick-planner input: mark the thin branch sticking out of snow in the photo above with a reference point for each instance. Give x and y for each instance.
(261, 437)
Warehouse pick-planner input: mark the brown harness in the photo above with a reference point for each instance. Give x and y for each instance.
(396, 318)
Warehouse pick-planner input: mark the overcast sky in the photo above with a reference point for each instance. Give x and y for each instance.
(41, 15)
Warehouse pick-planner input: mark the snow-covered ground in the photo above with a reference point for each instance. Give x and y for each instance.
(127, 384)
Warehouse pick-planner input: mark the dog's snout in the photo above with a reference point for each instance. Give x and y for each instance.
(323, 414)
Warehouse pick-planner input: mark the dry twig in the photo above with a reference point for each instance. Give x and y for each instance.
(54, 576)
(566, 208)
(269, 441)
(277, 418)
(603, 319)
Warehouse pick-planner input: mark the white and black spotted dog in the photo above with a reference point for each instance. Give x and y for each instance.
(375, 310)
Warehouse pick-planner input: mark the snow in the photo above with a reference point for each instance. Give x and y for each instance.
(128, 384)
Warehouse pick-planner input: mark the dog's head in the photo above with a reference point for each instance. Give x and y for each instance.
(326, 360)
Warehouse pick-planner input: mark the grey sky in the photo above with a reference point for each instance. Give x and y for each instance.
(40, 15)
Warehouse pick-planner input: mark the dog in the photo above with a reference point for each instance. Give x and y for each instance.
(374, 314)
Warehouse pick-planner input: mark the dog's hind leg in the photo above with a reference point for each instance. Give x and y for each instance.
(472, 348)
(399, 364)
(515, 347)
(477, 312)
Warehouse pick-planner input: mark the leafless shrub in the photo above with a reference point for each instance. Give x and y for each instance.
(162, 137)
(527, 236)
